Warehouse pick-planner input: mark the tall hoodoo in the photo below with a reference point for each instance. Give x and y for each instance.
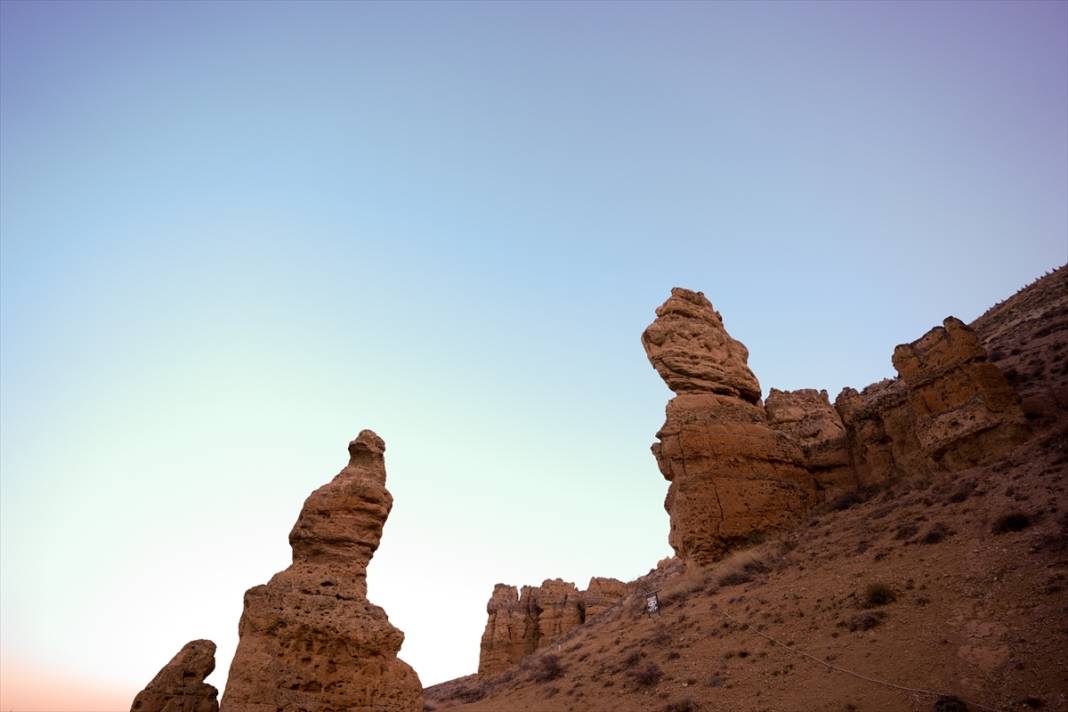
(310, 639)
(731, 474)
(180, 686)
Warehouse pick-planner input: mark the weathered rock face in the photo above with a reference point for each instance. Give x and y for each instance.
(180, 686)
(693, 353)
(882, 434)
(808, 416)
(602, 594)
(310, 640)
(511, 630)
(964, 409)
(731, 474)
(561, 609)
(520, 623)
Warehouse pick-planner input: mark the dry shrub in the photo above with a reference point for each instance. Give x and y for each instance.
(684, 705)
(950, 703)
(547, 667)
(864, 621)
(741, 566)
(648, 676)
(878, 594)
(964, 491)
(1011, 522)
(906, 531)
(938, 532)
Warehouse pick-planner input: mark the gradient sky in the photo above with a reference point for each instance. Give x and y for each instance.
(233, 235)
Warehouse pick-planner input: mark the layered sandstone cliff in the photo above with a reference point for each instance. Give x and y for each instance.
(522, 622)
(731, 474)
(180, 686)
(965, 412)
(738, 467)
(309, 638)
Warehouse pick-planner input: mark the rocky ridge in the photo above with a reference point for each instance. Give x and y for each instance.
(929, 572)
(521, 622)
(739, 469)
(180, 686)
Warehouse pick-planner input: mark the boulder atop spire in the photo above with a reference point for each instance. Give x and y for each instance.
(692, 351)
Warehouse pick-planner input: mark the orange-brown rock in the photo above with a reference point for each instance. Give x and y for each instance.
(522, 622)
(693, 353)
(731, 475)
(560, 609)
(882, 435)
(965, 411)
(309, 638)
(180, 686)
(808, 416)
(602, 594)
(511, 629)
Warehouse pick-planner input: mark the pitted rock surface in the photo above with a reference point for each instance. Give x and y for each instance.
(732, 476)
(692, 351)
(965, 411)
(180, 686)
(309, 638)
(808, 416)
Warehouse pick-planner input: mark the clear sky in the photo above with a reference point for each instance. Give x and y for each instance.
(233, 235)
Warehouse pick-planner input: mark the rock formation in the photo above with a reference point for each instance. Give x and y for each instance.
(560, 607)
(731, 474)
(881, 431)
(808, 416)
(511, 629)
(949, 409)
(180, 686)
(520, 623)
(737, 467)
(964, 409)
(602, 594)
(693, 353)
(309, 638)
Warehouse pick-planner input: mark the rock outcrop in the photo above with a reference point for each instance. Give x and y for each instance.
(731, 475)
(738, 467)
(522, 622)
(808, 416)
(511, 629)
(964, 409)
(180, 686)
(881, 432)
(560, 608)
(602, 594)
(693, 353)
(309, 638)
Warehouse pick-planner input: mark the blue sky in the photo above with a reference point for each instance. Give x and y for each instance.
(232, 235)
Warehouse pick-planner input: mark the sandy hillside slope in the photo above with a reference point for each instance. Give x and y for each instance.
(947, 592)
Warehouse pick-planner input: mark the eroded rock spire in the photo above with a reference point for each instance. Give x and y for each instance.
(310, 639)
(731, 474)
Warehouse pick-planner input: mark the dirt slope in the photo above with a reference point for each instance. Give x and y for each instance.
(956, 583)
